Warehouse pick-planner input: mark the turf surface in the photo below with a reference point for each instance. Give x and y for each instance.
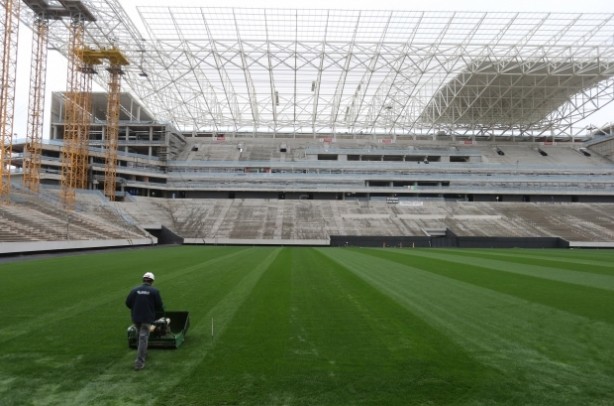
(315, 326)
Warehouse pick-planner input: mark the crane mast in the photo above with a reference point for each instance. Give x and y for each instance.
(10, 28)
(76, 114)
(34, 133)
(91, 58)
(113, 105)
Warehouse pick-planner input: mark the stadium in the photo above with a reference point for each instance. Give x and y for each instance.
(222, 147)
(322, 127)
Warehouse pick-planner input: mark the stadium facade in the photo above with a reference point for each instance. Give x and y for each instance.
(157, 160)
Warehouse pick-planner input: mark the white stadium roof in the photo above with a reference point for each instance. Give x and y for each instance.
(364, 72)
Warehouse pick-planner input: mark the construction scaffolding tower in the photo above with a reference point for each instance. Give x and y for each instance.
(34, 134)
(77, 116)
(116, 61)
(113, 105)
(10, 30)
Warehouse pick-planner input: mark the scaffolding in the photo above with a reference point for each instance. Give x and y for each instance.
(77, 117)
(34, 132)
(10, 28)
(116, 61)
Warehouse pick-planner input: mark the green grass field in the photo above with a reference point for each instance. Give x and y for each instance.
(315, 326)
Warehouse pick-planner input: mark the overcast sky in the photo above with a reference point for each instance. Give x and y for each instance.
(56, 81)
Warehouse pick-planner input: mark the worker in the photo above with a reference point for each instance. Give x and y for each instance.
(145, 304)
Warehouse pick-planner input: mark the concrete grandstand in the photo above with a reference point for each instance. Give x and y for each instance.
(373, 128)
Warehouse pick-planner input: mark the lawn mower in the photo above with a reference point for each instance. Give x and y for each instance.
(166, 332)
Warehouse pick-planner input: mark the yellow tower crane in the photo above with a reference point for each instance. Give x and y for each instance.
(34, 132)
(10, 28)
(77, 116)
(113, 105)
(116, 61)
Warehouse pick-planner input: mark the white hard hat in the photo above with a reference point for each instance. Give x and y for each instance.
(149, 275)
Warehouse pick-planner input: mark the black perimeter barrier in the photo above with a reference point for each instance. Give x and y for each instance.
(448, 241)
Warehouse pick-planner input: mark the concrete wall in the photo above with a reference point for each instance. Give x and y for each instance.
(45, 246)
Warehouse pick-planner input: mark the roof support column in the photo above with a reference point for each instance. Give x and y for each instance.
(341, 84)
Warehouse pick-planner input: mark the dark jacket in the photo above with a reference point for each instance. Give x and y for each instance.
(145, 304)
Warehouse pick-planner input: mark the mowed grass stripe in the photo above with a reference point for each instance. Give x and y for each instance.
(312, 333)
(547, 356)
(85, 359)
(590, 261)
(544, 286)
(533, 268)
